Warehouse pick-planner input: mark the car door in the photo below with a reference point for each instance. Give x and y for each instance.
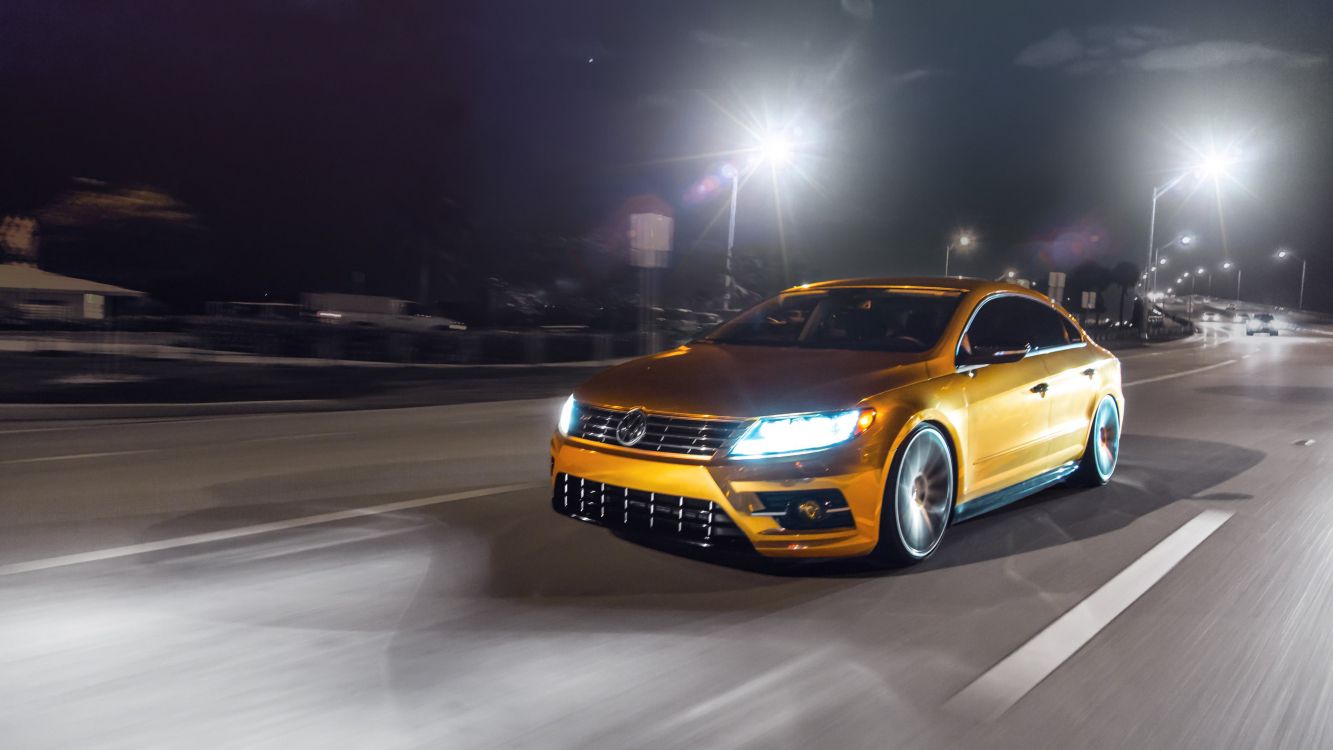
(1072, 367)
(1008, 417)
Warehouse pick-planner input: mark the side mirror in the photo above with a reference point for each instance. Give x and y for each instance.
(992, 355)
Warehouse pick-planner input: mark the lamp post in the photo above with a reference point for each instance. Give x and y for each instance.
(1204, 271)
(1184, 242)
(1227, 266)
(962, 241)
(1212, 166)
(735, 175)
(775, 149)
(1157, 192)
(1282, 255)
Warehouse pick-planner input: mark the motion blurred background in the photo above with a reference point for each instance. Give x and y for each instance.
(480, 159)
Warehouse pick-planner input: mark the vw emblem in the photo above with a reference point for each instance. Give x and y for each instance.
(632, 427)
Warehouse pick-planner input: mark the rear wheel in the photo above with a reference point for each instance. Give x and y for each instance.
(1103, 450)
(918, 498)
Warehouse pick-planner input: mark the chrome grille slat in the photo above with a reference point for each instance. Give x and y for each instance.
(690, 436)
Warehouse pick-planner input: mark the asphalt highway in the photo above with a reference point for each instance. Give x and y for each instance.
(395, 578)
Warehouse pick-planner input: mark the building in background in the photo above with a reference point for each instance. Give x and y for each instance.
(29, 293)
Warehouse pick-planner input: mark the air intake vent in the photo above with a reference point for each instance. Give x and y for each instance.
(684, 519)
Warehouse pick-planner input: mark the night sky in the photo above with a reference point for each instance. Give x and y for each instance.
(310, 137)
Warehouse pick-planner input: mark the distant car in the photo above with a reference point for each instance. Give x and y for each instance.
(678, 320)
(708, 321)
(1261, 323)
(1209, 316)
(1239, 317)
(403, 322)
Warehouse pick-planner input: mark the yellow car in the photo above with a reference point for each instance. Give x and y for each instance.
(843, 418)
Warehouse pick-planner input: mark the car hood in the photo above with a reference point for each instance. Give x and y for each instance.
(751, 381)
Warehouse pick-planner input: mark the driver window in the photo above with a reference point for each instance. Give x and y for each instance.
(1002, 323)
(1049, 328)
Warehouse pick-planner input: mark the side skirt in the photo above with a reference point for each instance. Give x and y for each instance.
(1013, 493)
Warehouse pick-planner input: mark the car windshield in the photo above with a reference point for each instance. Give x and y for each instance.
(1264, 317)
(886, 320)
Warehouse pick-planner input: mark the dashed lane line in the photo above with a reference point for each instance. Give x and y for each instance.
(1004, 684)
(256, 529)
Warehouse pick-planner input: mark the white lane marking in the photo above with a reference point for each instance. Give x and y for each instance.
(123, 423)
(1004, 684)
(1180, 374)
(300, 436)
(73, 456)
(167, 404)
(260, 528)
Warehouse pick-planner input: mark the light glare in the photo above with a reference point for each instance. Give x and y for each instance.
(1213, 166)
(775, 148)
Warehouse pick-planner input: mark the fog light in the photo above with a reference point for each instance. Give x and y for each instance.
(811, 510)
(806, 510)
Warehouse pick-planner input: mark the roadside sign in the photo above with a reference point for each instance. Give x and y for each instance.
(1055, 287)
(1089, 300)
(649, 240)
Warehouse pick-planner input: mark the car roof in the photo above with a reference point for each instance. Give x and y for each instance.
(920, 282)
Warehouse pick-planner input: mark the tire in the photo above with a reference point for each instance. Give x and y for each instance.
(1102, 452)
(918, 498)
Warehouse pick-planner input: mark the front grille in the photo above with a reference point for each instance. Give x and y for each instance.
(684, 519)
(665, 434)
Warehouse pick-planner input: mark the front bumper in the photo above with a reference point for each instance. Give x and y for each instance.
(716, 502)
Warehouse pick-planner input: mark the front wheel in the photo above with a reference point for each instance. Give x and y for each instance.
(918, 498)
(1103, 449)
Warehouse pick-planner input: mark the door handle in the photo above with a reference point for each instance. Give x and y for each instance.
(1090, 372)
(1041, 388)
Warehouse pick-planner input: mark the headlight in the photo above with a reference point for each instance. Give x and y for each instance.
(566, 416)
(778, 436)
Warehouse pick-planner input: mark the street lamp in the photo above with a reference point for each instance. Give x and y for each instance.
(774, 148)
(1211, 167)
(962, 241)
(1205, 272)
(1184, 241)
(1227, 266)
(1282, 255)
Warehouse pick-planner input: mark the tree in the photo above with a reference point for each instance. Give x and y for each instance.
(1126, 275)
(1088, 276)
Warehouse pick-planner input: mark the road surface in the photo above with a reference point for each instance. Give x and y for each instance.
(396, 579)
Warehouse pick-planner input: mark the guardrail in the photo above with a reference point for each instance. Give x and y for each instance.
(276, 340)
(1163, 327)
